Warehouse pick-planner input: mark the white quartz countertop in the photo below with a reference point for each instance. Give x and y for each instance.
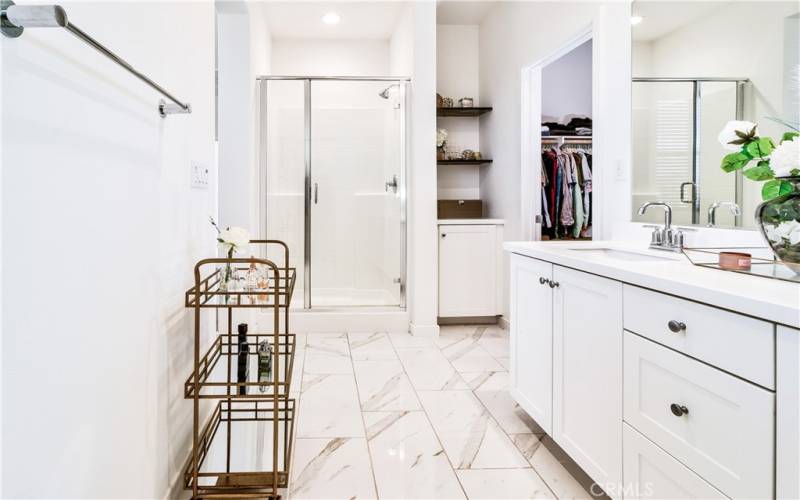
(772, 300)
(463, 222)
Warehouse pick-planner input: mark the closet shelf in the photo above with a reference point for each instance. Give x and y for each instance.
(476, 111)
(463, 162)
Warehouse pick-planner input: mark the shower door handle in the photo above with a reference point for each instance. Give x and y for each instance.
(316, 193)
(391, 184)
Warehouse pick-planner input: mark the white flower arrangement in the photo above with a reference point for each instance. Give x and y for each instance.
(787, 230)
(760, 159)
(231, 240)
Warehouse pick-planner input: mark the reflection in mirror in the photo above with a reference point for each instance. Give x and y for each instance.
(696, 66)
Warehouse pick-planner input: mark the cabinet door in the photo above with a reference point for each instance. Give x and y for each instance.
(587, 373)
(467, 271)
(532, 338)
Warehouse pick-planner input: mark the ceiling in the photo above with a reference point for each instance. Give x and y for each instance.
(303, 20)
(462, 11)
(662, 17)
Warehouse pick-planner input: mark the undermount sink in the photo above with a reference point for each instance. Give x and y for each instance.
(621, 254)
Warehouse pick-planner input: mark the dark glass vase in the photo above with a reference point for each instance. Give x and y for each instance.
(779, 221)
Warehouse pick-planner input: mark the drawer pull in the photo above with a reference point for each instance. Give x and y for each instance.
(678, 410)
(676, 326)
(543, 281)
(554, 284)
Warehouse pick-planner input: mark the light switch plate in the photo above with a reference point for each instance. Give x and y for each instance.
(199, 176)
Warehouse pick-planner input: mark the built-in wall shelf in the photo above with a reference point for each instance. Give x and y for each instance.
(477, 111)
(463, 162)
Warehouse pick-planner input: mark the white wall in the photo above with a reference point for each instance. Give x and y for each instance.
(457, 76)
(244, 52)
(567, 84)
(106, 229)
(330, 57)
(507, 45)
(410, 47)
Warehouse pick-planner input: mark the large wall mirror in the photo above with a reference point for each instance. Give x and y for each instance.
(696, 66)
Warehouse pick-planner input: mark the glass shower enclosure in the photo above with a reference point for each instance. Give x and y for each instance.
(332, 186)
(675, 126)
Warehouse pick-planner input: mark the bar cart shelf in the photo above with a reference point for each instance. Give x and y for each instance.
(244, 449)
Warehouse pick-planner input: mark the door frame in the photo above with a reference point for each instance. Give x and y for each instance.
(530, 141)
(263, 125)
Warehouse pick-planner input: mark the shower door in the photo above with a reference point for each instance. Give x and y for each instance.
(334, 173)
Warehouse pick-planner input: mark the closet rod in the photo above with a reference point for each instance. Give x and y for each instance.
(15, 18)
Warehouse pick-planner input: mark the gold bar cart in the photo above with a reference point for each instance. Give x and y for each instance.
(241, 409)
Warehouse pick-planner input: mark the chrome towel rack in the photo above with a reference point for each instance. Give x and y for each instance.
(15, 18)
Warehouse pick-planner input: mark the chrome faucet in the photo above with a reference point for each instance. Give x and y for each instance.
(712, 211)
(664, 238)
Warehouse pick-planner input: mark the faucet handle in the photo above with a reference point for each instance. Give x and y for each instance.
(656, 237)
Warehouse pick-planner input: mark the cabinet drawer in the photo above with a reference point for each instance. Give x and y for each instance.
(737, 344)
(724, 427)
(650, 472)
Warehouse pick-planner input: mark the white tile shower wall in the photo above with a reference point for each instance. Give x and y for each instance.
(97, 186)
(456, 77)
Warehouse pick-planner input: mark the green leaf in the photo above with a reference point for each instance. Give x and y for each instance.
(760, 148)
(734, 161)
(788, 136)
(761, 172)
(774, 188)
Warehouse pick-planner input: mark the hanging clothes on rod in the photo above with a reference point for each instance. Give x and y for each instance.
(566, 189)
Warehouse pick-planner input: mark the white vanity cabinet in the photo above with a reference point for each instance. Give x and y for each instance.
(566, 360)
(652, 394)
(470, 259)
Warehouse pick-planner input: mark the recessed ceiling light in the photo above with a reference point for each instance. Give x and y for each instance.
(331, 18)
(636, 20)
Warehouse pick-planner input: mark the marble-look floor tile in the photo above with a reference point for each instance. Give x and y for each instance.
(511, 417)
(429, 370)
(336, 468)
(487, 381)
(329, 407)
(504, 362)
(554, 471)
(471, 438)
(327, 354)
(527, 444)
(407, 458)
(383, 386)
(495, 484)
(370, 346)
(498, 347)
(468, 357)
(297, 372)
(406, 340)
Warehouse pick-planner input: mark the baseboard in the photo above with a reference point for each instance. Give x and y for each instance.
(468, 320)
(423, 330)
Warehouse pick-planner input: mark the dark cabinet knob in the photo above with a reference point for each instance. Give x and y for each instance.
(676, 326)
(678, 410)
(543, 281)
(554, 284)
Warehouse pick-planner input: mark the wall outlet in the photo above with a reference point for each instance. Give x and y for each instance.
(199, 176)
(619, 170)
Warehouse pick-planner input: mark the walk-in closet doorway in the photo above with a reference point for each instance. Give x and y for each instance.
(561, 119)
(333, 176)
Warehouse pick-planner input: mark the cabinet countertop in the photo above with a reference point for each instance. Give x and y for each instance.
(771, 300)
